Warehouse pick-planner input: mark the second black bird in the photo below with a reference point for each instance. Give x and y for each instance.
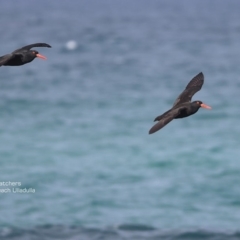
(182, 107)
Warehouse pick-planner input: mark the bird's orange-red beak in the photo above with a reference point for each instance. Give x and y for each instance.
(205, 106)
(41, 56)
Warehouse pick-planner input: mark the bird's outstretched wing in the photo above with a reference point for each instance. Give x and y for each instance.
(28, 47)
(4, 59)
(193, 86)
(164, 119)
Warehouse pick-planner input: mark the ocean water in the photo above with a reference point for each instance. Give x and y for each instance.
(74, 128)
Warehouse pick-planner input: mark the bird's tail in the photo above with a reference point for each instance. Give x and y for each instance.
(158, 118)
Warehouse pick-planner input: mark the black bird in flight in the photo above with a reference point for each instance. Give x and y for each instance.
(182, 107)
(22, 55)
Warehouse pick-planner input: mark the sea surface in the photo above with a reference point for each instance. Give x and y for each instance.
(74, 128)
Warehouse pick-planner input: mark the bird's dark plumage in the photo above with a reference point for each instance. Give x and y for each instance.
(22, 55)
(193, 86)
(182, 107)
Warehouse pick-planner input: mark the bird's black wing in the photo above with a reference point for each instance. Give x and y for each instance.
(193, 86)
(28, 47)
(4, 59)
(164, 119)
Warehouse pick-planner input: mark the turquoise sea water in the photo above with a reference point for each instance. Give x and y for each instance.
(75, 127)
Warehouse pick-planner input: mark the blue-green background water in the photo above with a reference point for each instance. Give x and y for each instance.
(75, 127)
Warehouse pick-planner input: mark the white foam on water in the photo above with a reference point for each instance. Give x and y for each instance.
(71, 45)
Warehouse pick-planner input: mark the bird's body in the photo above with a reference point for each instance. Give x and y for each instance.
(22, 55)
(182, 107)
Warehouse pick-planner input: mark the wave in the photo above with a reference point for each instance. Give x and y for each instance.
(125, 231)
